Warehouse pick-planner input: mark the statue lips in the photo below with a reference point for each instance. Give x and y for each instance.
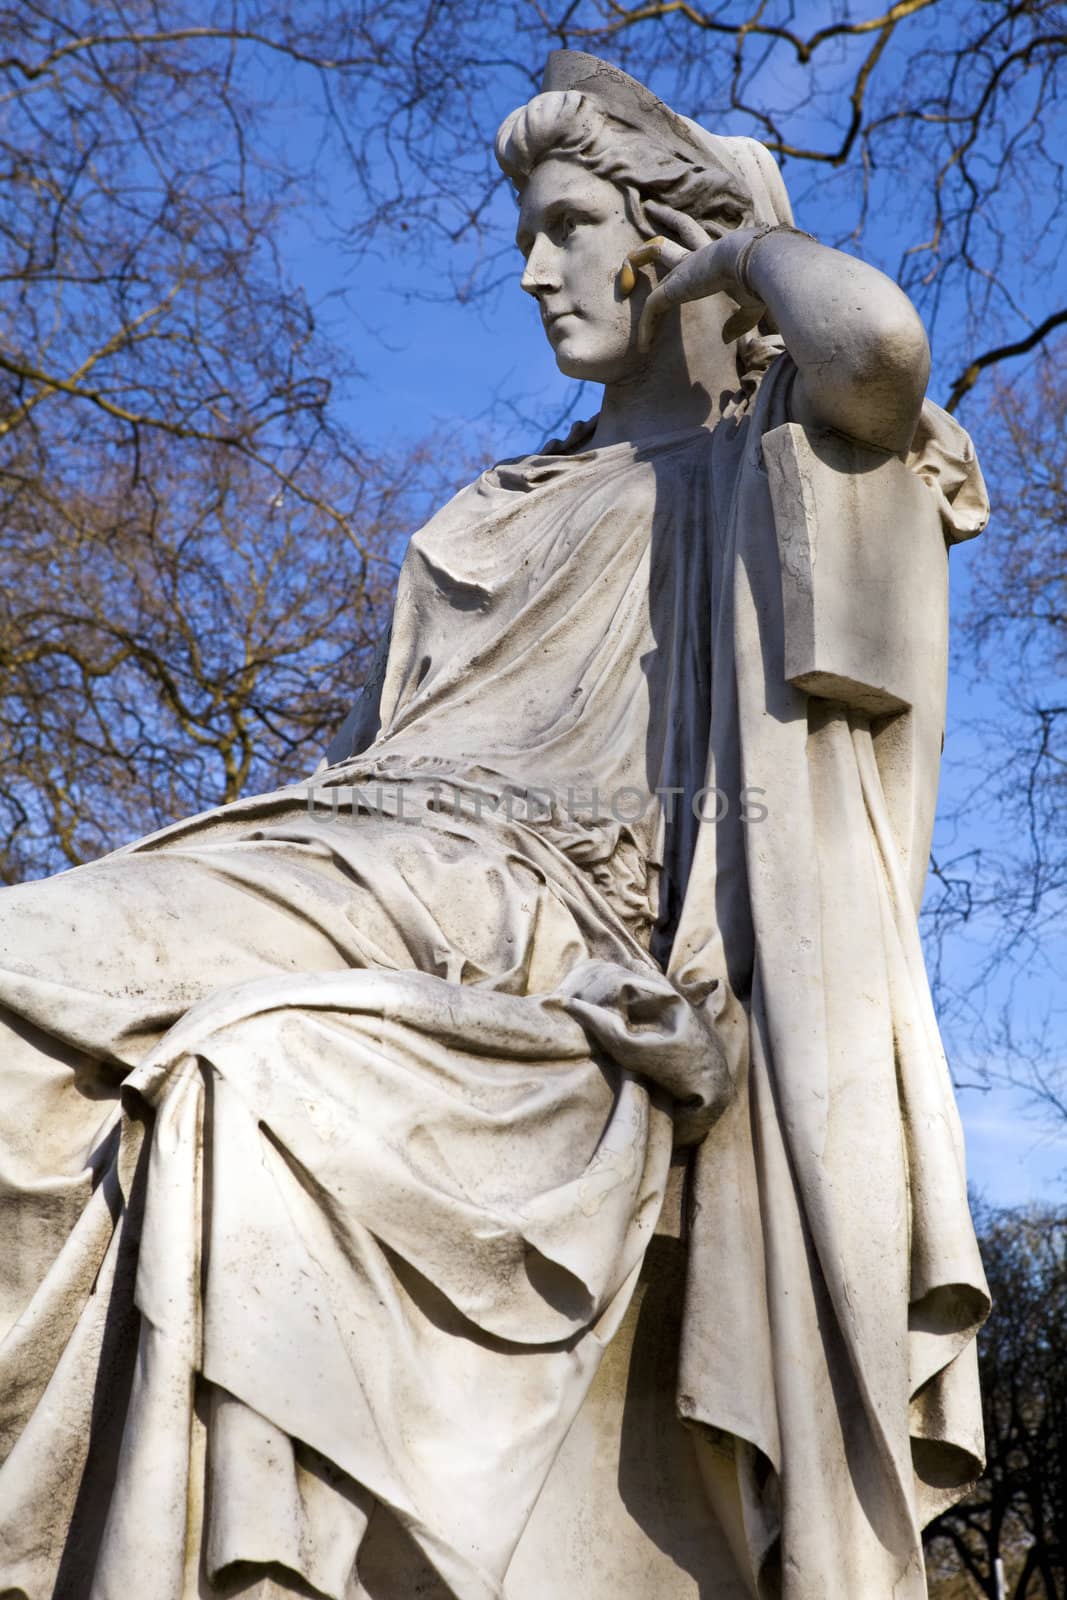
(552, 320)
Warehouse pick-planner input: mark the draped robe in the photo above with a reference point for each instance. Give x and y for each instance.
(336, 1122)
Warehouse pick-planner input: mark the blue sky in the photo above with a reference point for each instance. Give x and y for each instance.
(1012, 1157)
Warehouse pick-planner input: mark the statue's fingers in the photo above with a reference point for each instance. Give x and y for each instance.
(684, 228)
(697, 274)
(661, 300)
(644, 253)
(742, 321)
(662, 251)
(654, 307)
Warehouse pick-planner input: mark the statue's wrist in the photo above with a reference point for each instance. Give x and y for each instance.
(744, 261)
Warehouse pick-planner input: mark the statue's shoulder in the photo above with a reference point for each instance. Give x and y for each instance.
(942, 452)
(943, 455)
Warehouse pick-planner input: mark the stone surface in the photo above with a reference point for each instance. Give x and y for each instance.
(865, 608)
(521, 1162)
(864, 572)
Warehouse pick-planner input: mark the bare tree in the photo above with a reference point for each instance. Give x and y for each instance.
(1017, 1513)
(170, 645)
(195, 552)
(1000, 891)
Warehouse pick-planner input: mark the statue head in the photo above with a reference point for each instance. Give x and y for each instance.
(595, 157)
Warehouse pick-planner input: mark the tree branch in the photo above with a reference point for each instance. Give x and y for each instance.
(1002, 352)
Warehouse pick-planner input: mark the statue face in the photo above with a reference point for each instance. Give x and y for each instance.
(574, 232)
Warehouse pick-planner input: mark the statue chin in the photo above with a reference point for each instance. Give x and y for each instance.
(578, 361)
(582, 369)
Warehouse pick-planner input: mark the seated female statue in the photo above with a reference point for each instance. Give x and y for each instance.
(335, 1123)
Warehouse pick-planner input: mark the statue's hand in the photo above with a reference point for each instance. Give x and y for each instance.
(696, 267)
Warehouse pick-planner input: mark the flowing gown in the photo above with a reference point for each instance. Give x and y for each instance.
(335, 1123)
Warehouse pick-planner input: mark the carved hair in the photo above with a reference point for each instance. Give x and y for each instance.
(569, 125)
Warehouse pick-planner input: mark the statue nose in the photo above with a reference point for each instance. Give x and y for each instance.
(539, 275)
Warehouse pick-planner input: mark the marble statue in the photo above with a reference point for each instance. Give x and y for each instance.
(520, 1161)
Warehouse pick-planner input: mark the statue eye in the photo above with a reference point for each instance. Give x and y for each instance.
(567, 225)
